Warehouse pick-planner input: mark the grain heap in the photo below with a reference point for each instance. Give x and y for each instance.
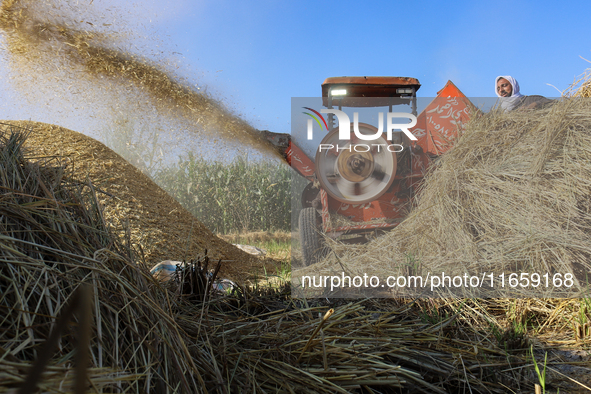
(155, 224)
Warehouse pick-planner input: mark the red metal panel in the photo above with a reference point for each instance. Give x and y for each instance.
(300, 161)
(438, 125)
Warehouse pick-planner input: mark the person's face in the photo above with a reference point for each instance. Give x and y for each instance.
(504, 88)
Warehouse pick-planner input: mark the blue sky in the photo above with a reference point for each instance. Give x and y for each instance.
(256, 55)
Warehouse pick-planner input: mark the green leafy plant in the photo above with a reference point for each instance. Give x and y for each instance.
(412, 264)
(541, 375)
(232, 197)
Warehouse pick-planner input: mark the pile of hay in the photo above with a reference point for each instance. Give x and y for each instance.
(134, 206)
(145, 338)
(53, 237)
(511, 196)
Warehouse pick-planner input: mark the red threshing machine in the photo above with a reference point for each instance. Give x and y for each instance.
(356, 193)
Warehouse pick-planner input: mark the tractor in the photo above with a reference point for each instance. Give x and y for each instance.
(359, 188)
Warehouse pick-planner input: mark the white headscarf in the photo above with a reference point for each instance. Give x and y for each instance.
(509, 103)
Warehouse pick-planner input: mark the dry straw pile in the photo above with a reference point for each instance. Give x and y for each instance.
(53, 237)
(133, 205)
(511, 196)
(143, 337)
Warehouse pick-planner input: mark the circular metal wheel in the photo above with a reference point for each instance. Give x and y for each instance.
(313, 248)
(354, 170)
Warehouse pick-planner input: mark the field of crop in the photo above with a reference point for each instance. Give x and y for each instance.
(241, 196)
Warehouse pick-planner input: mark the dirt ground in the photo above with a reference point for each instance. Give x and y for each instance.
(158, 223)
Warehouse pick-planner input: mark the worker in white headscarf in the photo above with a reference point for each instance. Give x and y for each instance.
(507, 89)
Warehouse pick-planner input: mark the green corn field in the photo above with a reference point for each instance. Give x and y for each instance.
(233, 197)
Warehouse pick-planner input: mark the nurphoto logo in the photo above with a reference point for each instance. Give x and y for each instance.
(345, 124)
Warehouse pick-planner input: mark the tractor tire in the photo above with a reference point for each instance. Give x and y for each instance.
(313, 247)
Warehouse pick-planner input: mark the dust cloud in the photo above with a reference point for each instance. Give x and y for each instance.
(72, 59)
